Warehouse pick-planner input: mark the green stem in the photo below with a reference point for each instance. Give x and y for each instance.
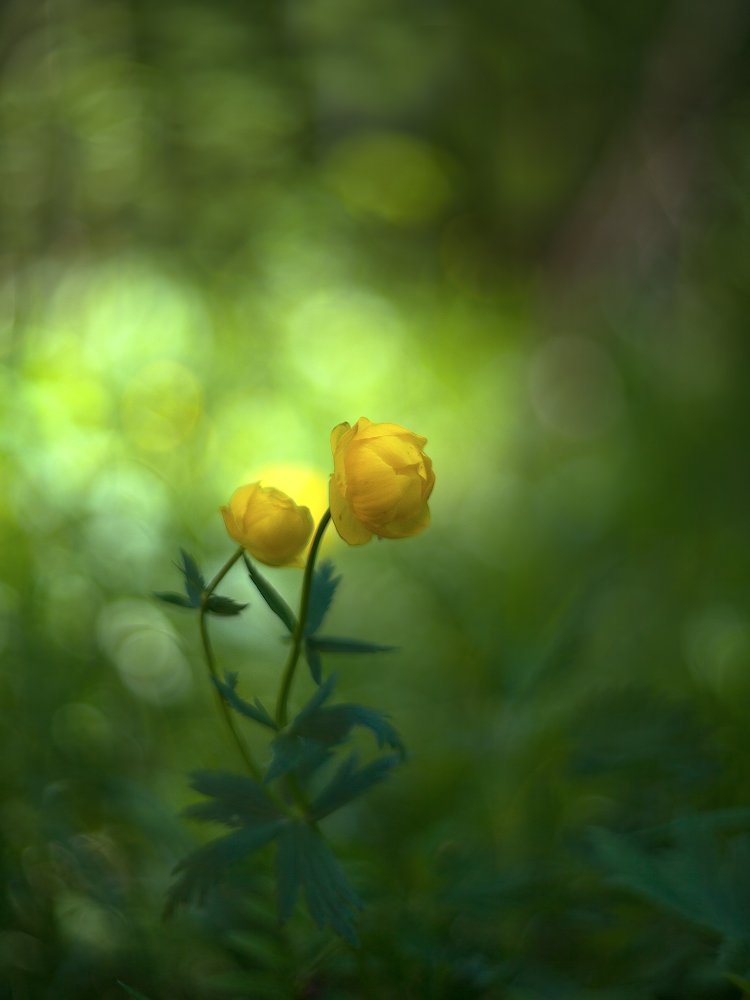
(223, 707)
(299, 632)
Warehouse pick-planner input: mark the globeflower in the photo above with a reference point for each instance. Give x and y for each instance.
(381, 482)
(269, 524)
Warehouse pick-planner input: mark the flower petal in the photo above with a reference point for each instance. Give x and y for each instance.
(407, 527)
(344, 521)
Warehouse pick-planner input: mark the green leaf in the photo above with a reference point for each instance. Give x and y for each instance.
(692, 878)
(208, 865)
(256, 711)
(271, 596)
(320, 696)
(195, 584)
(233, 799)
(314, 661)
(304, 861)
(349, 782)
(332, 725)
(224, 606)
(133, 993)
(324, 585)
(171, 598)
(287, 750)
(334, 644)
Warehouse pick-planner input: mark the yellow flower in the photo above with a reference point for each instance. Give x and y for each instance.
(381, 482)
(269, 524)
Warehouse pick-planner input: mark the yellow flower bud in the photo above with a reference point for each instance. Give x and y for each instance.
(269, 524)
(381, 482)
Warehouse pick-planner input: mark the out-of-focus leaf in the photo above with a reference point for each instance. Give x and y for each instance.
(304, 861)
(131, 992)
(233, 799)
(336, 644)
(256, 711)
(195, 583)
(693, 878)
(324, 585)
(271, 596)
(349, 782)
(287, 750)
(205, 867)
(224, 606)
(236, 801)
(314, 661)
(320, 696)
(171, 598)
(332, 725)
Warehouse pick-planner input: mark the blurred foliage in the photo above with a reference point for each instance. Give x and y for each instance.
(517, 229)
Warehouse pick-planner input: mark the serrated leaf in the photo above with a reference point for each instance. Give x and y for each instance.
(287, 750)
(256, 711)
(171, 598)
(208, 865)
(224, 606)
(131, 992)
(272, 597)
(337, 644)
(304, 861)
(233, 799)
(195, 584)
(314, 661)
(349, 782)
(324, 585)
(332, 725)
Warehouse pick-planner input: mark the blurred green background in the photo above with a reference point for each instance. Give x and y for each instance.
(518, 229)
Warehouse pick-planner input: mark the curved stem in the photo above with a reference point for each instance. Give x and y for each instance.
(299, 632)
(223, 707)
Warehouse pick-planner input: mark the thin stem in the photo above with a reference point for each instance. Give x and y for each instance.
(223, 707)
(299, 632)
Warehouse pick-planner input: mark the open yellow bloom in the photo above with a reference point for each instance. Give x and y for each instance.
(269, 524)
(381, 482)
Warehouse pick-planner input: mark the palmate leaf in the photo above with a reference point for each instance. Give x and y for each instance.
(208, 865)
(232, 799)
(271, 596)
(332, 725)
(304, 861)
(327, 726)
(256, 711)
(324, 585)
(224, 606)
(235, 801)
(349, 782)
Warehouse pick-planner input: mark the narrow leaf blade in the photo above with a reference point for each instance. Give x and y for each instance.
(171, 598)
(256, 711)
(314, 661)
(271, 596)
(338, 644)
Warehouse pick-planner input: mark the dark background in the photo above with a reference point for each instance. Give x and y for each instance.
(518, 229)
